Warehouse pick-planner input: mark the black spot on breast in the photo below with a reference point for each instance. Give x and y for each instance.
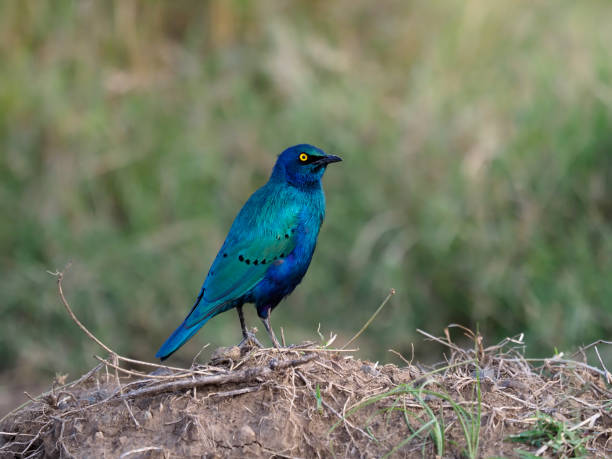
(248, 262)
(241, 258)
(225, 255)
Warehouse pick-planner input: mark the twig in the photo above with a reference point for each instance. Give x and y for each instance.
(584, 402)
(588, 346)
(116, 366)
(320, 349)
(151, 364)
(550, 361)
(427, 374)
(367, 324)
(60, 277)
(140, 374)
(85, 377)
(541, 450)
(406, 361)
(331, 408)
(441, 341)
(141, 450)
(127, 405)
(245, 375)
(469, 333)
(516, 399)
(37, 436)
(233, 393)
(590, 421)
(44, 394)
(131, 372)
(346, 421)
(193, 362)
(608, 375)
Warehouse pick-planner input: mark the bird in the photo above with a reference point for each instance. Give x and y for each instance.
(268, 249)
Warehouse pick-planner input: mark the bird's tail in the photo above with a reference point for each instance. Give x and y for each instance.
(178, 338)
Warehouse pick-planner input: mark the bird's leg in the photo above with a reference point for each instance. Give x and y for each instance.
(266, 322)
(246, 334)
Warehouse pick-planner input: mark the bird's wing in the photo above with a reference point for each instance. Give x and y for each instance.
(241, 264)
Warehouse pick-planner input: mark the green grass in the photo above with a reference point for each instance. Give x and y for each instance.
(476, 182)
(553, 434)
(430, 424)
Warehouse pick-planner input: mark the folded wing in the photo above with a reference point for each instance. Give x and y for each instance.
(240, 265)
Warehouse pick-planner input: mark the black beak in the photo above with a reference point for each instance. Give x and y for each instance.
(328, 159)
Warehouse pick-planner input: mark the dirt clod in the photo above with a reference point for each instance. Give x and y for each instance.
(246, 434)
(224, 354)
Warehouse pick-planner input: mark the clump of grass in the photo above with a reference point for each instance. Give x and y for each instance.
(460, 407)
(552, 435)
(468, 419)
(434, 424)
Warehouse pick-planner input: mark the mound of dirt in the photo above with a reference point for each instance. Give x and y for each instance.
(313, 402)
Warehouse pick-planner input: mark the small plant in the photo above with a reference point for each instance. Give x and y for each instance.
(554, 435)
(318, 397)
(468, 420)
(435, 427)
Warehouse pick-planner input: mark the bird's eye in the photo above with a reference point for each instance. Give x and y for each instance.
(303, 157)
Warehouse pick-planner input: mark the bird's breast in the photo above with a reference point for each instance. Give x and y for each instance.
(282, 276)
(305, 212)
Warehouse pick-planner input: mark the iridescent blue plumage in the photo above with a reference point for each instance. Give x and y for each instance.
(268, 248)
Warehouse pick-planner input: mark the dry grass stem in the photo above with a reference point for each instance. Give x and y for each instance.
(370, 320)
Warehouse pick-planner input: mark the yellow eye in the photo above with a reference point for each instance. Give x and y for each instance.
(303, 157)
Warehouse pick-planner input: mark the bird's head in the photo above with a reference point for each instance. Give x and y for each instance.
(302, 165)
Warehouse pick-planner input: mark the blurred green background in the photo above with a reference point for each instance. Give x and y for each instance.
(477, 181)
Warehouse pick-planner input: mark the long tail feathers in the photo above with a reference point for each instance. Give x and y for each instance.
(178, 338)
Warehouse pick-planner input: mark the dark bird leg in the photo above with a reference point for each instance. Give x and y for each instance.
(246, 334)
(266, 322)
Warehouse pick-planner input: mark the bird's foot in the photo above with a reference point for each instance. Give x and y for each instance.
(271, 334)
(276, 343)
(250, 340)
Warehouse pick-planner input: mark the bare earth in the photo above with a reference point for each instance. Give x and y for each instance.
(312, 402)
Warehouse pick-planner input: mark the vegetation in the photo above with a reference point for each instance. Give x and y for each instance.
(477, 181)
(315, 401)
(553, 434)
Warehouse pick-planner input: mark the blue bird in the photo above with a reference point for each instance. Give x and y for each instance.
(268, 248)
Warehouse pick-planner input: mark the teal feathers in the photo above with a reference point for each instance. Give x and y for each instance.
(269, 246)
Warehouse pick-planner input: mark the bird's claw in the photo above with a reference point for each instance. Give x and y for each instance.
(250, 339)
(276, 343)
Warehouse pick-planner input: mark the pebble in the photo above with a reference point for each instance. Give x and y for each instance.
(246, 434)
